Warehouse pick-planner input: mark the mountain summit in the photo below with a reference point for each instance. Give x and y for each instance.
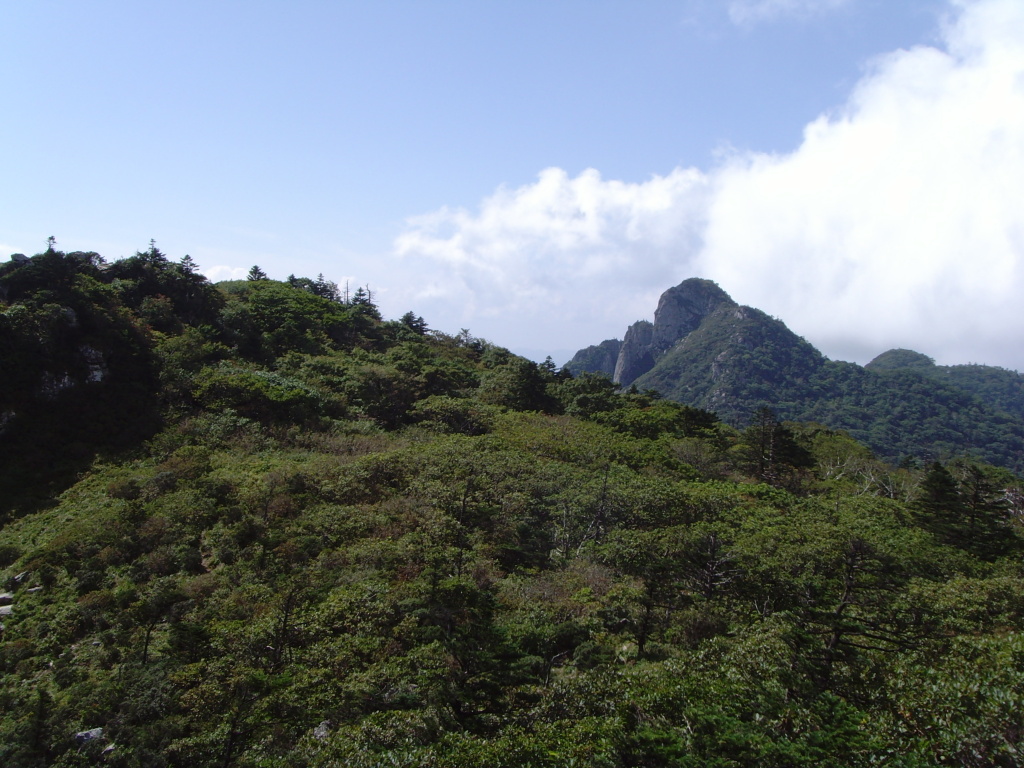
(706, 351)
(680, 311)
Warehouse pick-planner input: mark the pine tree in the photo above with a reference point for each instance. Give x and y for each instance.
(985, 513)
(772, 452)
(325, 288)
(414, 323)
(939, 507)
(970, 513)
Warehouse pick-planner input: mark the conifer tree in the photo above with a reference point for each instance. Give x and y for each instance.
(939, 506)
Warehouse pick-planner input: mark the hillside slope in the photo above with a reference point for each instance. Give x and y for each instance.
(343, 540)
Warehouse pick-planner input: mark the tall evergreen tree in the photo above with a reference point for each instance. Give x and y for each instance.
(939, 506)
(970, 513)
(772, 452)
(985, 513)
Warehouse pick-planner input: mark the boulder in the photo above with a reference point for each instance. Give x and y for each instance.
(83, 737)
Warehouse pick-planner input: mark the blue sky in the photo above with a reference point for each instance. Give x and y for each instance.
(539, 172)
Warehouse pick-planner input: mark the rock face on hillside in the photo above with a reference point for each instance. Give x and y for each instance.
(636, 356)
(737, 359)
(680, 311)
(600, 358)
(705, 350)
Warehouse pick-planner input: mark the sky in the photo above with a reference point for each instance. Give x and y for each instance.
(540, 171)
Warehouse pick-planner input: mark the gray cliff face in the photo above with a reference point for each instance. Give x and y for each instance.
(680, 312)
(682, 309)
(635, 355)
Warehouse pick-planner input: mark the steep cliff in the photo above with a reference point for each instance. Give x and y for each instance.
(683, 308)
(636, 356)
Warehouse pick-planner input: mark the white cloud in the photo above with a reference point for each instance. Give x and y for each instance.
(745, 12)
(555, 250)
(220, 272)
(897, 222)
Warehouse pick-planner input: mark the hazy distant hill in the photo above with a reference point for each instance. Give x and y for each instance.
(706, 351)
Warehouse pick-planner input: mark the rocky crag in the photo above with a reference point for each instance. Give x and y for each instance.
(680, 311)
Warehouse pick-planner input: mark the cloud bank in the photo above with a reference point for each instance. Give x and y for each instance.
(897, 222)
(578, 252)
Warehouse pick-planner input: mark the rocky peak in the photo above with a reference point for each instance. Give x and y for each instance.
(680, 311)
(682, 308)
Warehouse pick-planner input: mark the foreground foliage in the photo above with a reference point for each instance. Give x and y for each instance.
(294, 534)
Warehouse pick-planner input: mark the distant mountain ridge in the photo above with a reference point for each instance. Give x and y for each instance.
(706, 351)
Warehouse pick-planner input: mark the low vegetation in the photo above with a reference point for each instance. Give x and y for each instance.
(254, 524)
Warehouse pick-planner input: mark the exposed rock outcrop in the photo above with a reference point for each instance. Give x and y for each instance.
(600, 358)
(636, 356)
(680, 312)
(94, 359)
(92, 734)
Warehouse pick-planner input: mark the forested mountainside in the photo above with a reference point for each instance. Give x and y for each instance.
(706, 351)
(996, 387)
(254, 524)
